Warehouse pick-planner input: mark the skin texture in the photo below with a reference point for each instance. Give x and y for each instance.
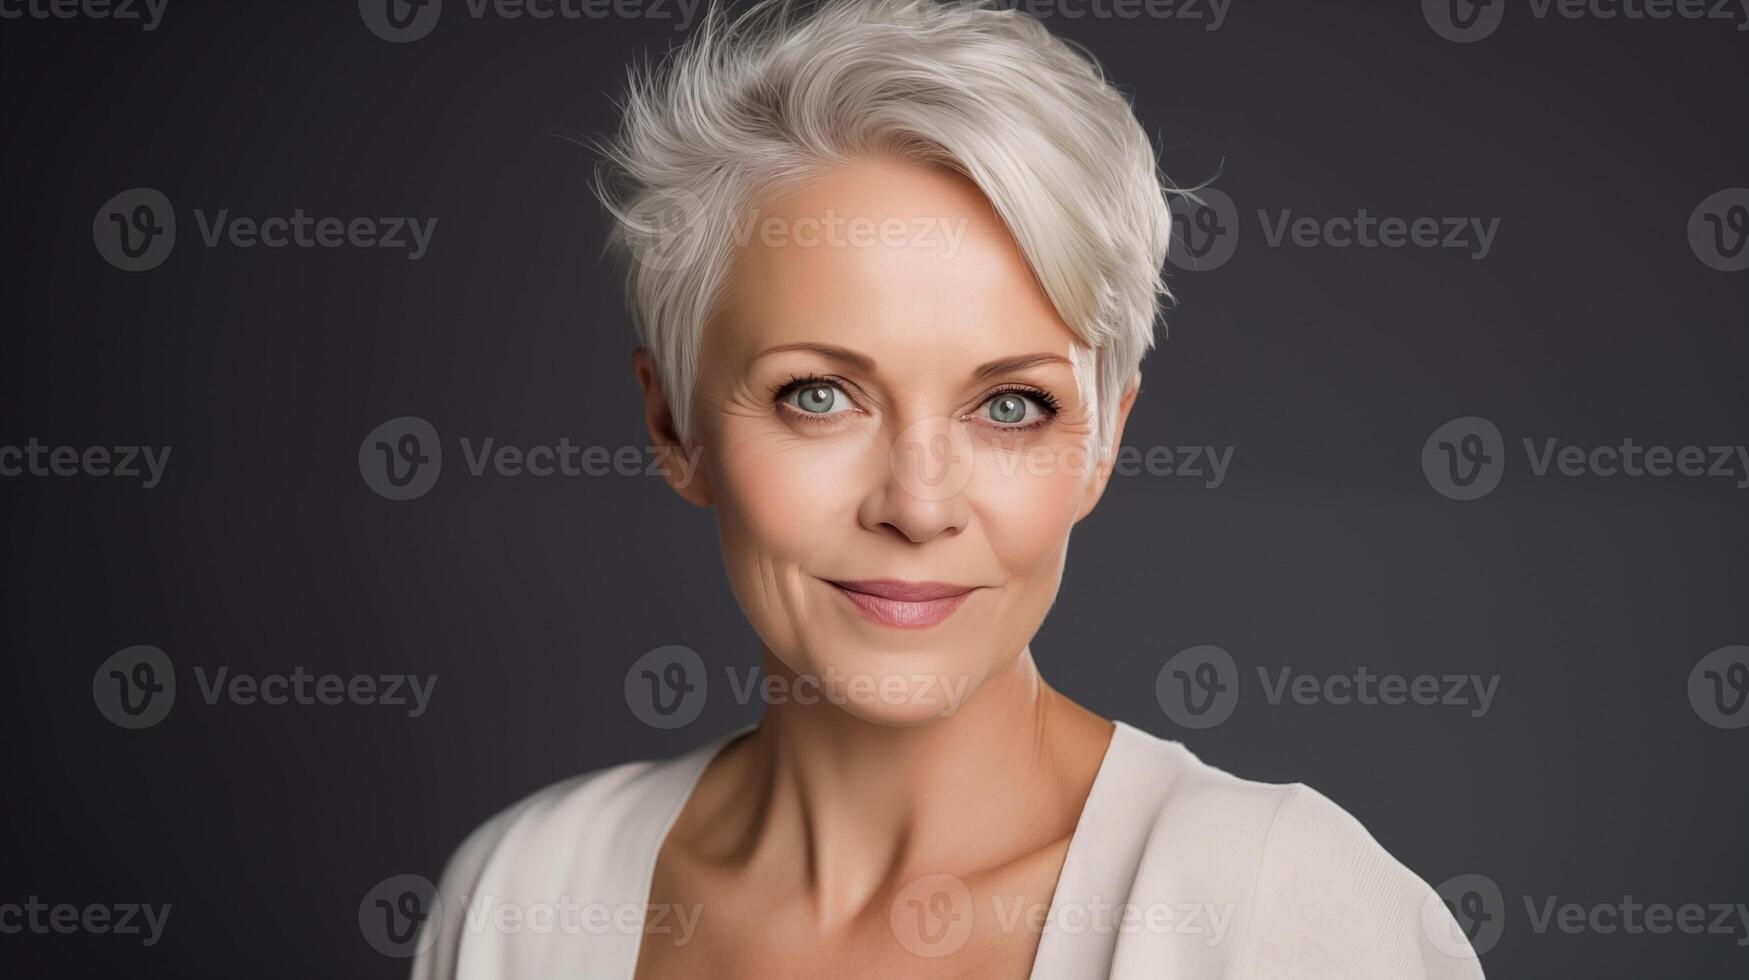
(932, 751)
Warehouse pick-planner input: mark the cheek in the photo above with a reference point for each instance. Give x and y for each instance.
(1027, 502)
(783, 496)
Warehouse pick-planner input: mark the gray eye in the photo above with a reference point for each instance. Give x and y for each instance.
(1009, 409)
(819, 399)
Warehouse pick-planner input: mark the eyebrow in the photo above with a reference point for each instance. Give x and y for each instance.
(1008, 365)
(865, 364)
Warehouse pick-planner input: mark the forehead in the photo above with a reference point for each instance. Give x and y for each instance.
(886, 256)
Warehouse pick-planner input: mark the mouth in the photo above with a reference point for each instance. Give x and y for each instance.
(906, 605)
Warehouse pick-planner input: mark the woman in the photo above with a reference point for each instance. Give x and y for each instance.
(899, 330)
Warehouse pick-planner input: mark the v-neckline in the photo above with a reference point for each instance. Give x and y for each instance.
(1072, 879)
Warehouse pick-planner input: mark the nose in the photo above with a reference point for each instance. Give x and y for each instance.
(923, 494)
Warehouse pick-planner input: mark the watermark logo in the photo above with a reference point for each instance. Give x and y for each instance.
(400, 21)
(35, 916)
(942, 235)
(932, 916)
(1363, 229)
(1205, 230)
(1211, 14)
(1718, 230)
(935, 459)
(666, 688)
(1718, 687)
(1199, 687)
(566, 916)
(1465, 916)
(135, 230)
(662, 230)
(401, 458)
(1632, 917)
(400, 915)
(1474, 692)
(147, 13)
(1463, 21)
(143, 463)
(135, 688)
(932, 459)
(1464, 458)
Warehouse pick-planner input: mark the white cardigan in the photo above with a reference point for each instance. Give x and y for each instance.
(1219, 877)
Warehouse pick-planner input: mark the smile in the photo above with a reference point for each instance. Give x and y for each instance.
(906, 605)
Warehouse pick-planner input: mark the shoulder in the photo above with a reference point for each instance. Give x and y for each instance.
(583, 843)
(1305, 888)
(583, 814)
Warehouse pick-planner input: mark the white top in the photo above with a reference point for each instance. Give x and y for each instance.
(1175, 869)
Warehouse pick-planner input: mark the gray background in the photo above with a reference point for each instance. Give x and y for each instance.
(1591, 778)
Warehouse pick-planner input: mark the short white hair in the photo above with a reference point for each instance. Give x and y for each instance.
(781, 93)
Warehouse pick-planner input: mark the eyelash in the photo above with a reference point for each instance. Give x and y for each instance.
(1046, 401)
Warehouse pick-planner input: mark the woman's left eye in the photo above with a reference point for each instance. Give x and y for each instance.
(1012, 409)
(819, 398)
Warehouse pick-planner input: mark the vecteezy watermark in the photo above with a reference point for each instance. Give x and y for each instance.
(402, 458)
(136, 688)
(143, 463)
(667, 687)
(1718, 229)
(35, 916)
(1475, 236)
(1466, 21)
(833, 230)
(567, 916)
(663, 230)
(1465, 916)
(1199, 687)
(942, 692)
(1478, 912)
(935, 459)
(1205, 920)
(1718, 687)
(136, 231)
(399, 915)
(1210, 14)
(1205, 465)
(1464, 459)
(401, 21)
(1629, 916)
(934, 915)
(1472, 692)
(1206, 231)
(148, 14)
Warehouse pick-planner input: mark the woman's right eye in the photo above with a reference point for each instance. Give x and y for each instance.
(818, 398)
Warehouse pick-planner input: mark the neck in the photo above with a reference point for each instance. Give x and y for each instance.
(855, 808)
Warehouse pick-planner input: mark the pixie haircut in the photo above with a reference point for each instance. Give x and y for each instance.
(783, 92)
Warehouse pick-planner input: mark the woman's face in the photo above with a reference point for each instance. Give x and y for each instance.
(893, 439)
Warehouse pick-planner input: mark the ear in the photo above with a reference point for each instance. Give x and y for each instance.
(1095, 488)
(679, 461)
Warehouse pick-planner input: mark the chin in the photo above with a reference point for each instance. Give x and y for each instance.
(890, 683)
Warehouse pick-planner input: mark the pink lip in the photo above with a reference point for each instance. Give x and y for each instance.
(907, 605)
